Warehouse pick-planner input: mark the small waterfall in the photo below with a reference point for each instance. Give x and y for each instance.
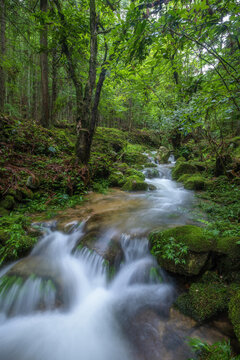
(60, 302)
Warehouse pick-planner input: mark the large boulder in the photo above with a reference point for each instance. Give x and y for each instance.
(203, 301)
(193, 182)
(134, 183)
(183, 250)
(183, 168)
(116, 178)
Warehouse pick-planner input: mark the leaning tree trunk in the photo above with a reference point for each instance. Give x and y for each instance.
(2, 54)
(44, 68)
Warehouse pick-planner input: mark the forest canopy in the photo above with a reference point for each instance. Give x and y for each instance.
(129, 64)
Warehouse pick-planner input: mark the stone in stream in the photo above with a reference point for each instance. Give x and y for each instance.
(167, 246)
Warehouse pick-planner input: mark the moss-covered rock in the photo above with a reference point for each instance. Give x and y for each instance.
(133, 155)
(234, 313)
(195, 182)
(8, 203)
(183, 168)
(32, 183)
(163, 155)
(229, 245)
(203, 301)
(134, 183)
(152, 187)
(109, 140)
(116, 178)
(167, 246)
(192, 236)
(133, 172)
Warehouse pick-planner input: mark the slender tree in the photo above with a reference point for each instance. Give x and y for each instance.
(2, 54)
(45, 117)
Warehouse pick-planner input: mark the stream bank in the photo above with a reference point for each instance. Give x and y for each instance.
(132, 307)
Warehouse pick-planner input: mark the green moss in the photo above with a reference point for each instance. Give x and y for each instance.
(151, 165)
(134, 183)
(203, 301)
(183, 168)
(229, 245)
(190, 235)
(184, 178)
(133, 172)
(195, 182)
(234, 313)
(109, 141)
(116, 178)
(133, 154)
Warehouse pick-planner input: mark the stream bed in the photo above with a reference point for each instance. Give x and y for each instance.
(61, 303)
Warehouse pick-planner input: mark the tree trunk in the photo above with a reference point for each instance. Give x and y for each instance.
(54, 85)
(44, 67)
(2, 55)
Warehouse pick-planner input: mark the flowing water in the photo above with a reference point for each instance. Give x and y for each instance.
(61, 302)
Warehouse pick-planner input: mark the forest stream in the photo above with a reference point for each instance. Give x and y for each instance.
(64, 304)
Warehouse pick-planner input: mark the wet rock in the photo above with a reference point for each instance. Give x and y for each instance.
(151, 173)
(32, 183)
(163, 155)
(152, 187)
(134, 183)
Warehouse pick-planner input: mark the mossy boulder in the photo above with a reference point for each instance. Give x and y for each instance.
(228, 254)
(167, 246)
(32, 183)
(152, 187)
(163, 155)
(234, 313)
(194, 182)
(133, 155)
(8, 203)
(134, 183)
(133, 172)
(203, 301)
(183, 168)
(116, 178)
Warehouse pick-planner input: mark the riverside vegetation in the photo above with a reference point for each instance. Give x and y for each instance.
(40, 175)
(89, 92)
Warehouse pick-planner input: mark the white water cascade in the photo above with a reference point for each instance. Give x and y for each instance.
(60, 303)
